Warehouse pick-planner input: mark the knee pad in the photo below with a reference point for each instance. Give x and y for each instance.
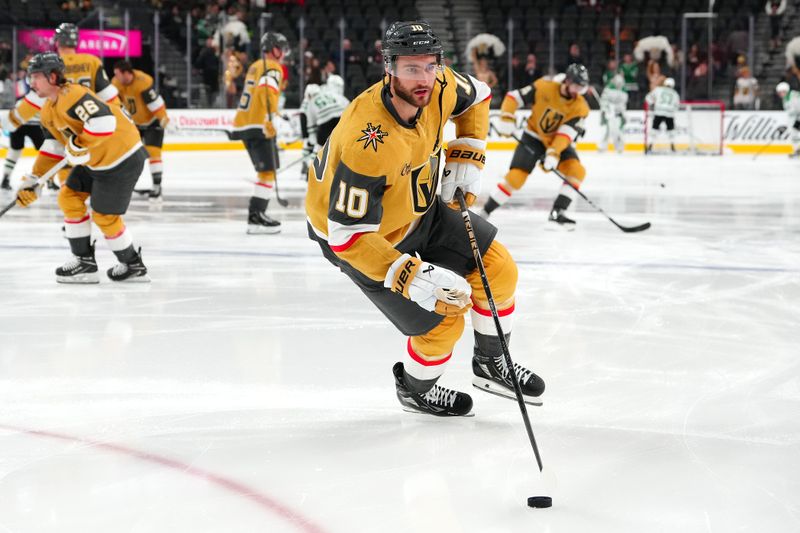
(573, 170)
(516, 178)
(72, 203)
(501, 271)
(110, 225)
(440, 340)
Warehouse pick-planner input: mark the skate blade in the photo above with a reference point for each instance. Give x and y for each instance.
(263, 230)
(79, 279)
(135, 279)
(418, 412)
(555, 226)
(493, 388)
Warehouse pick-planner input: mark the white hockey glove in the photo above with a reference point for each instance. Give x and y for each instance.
(28, 191)
(76, 155)
(433, 288)
(506, 125)
(551, 160)
(9, 122)
(464, 162)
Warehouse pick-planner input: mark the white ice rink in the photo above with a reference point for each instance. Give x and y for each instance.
(248, 388)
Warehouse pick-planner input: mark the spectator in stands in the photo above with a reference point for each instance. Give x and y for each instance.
(350, 57)
(612, 69)
(313, 71)
(737, 42)
(775, 9)
(86, 7)
(328, 69)
(207, 63)
(235, 72)
(697, 88)
(375, 61)
(693, 58)
(745, 90)
(573, 56)
(630, 71)
(531, 71)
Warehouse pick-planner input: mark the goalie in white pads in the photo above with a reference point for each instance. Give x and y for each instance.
(791, 104)
(664, 101)
(613, 103)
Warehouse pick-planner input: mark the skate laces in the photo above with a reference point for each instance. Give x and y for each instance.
(523, 374)
(119, 269)
(72, 264)
(441, 396)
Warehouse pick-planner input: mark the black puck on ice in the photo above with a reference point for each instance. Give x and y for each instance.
(540, 502)
(662, 185)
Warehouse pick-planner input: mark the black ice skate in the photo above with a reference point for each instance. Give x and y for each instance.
(154, 194)
(260, 223)
(79, 269)
(558, 220)
(131, 272)
(438, 401)
(492, 376)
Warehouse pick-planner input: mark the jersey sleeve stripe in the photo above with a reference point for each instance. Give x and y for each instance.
(52, 148)
(100, 126)
(342, 247)
(156, 104)
(108, 94)
(51, 155)
(38, 107)
(564, 134)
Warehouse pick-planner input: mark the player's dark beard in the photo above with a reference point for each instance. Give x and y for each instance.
(408, 96)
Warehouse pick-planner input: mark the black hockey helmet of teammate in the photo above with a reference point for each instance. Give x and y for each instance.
(577, 73)
(47, 63)
(66, 35)
(271, 40)
(411, 38)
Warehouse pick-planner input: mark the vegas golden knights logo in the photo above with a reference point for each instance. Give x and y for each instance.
(424, 181)
(550, 120)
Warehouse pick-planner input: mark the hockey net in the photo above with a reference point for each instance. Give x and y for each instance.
(698, 129)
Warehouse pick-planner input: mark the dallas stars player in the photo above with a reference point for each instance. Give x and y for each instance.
(149, 112)
(107, 156)
(558, 112)
(372, 208)
(613, 103)
(253, 126)
(791, 104)
(664, 101)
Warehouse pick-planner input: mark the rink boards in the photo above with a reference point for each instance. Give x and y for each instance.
(742, 131)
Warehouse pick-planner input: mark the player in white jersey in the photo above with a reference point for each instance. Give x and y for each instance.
(613, 103)
(791, 104)
(17, 133)
(664, 101)
(311, 90)
(326, 108)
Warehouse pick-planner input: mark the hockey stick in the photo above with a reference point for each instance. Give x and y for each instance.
(273, 145)
(462, 203)
(626, 229)
(763, 149)
(40, 182)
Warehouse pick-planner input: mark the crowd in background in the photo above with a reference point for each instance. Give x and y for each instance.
(224, 41)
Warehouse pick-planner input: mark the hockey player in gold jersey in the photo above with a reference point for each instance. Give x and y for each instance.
(103, 146)
(253, 125)
(558, 112)
(373, 208)
(138, 95)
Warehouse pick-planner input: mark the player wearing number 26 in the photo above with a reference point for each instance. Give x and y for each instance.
(104, 148)
(373, 208)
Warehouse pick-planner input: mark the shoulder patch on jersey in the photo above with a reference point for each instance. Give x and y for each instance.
(372, 136)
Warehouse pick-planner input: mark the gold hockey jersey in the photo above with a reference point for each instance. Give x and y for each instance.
(87, 70)
(259, 87)
(141, 100)
(103, 128)
(377, 174)
(555, 120)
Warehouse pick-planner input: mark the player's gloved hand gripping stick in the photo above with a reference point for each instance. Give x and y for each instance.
(30, 193)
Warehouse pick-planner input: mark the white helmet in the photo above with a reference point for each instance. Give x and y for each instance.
(335, 84)
(669, 82)
(782, 88)
(312, 89)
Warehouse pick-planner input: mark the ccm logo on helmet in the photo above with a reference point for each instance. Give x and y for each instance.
(455, 153)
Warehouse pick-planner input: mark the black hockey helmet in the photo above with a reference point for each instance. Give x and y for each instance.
(47, 63)
(66, 35)
(577, 73)
(273, 39)
(410, 38)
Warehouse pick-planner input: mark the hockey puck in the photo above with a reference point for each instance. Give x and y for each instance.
(662, 185)
(540, 502)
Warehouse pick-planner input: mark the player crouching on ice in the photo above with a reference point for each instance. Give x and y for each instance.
(103, 147)
(373, 209)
